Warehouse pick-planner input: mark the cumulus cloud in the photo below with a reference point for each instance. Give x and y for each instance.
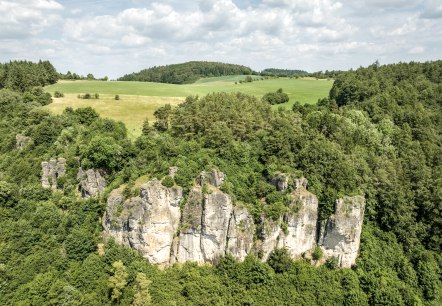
(311, 35)
(25, 18)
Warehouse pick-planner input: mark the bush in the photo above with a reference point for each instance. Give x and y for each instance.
(277, 97)
(117, 97)
(168, 181)
(317, 253)
(58, 94)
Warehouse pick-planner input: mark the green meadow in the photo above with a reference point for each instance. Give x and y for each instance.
(138, 100)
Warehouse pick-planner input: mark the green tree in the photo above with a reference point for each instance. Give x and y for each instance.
(142, 296)
(118, 281)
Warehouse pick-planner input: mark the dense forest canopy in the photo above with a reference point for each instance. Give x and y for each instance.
(186, 73)
(284, 72)
(378, 134)
(23, 75)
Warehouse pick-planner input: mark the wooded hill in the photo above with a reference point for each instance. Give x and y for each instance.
(283, 72)
(378, 134)
(186, 73)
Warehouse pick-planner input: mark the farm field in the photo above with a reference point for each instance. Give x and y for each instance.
(138, 100)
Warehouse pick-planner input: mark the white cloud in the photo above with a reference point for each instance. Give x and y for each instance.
(311, 35)
(26, 18)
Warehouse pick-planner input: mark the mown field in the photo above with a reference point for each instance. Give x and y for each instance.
(138, 100)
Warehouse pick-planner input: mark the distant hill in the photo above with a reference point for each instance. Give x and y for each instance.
(283, 72)
(186, 73)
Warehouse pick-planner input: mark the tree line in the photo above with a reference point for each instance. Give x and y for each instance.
(186, 73)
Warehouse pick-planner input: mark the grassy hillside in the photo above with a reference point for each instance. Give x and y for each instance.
(138, 100)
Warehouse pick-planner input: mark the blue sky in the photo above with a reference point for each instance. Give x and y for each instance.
(111, 37)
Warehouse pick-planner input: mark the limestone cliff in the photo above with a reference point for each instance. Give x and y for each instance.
(92, 183)
(340, 234)
(146, 223)
(52, 170)
(209, 225)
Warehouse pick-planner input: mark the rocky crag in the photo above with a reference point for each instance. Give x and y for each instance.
(51, 170)
(209, 225)
(92, 183)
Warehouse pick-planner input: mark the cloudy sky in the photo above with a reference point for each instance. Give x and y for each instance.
(112, 37)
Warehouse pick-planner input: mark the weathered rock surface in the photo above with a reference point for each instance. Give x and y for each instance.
(240, 233)
(52, 170)
(340, 234)
(22, 141)
(205, 221)
(281, 181)
(209, 226)
(92, 183)
(146, 223)
(301, 221)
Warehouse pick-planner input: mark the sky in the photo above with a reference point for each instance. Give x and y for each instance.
(112, 38)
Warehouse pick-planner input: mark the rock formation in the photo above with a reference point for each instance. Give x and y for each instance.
(340, 234)
(22, 141)
(146, 223)
(209, 225)
(92, 183)
(52, 170)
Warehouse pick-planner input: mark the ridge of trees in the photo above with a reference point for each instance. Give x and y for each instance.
(186, 73)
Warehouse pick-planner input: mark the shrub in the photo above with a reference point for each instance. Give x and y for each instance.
(317, 253)
(58, 94)
(117, 97)
(168, 181)
(277, 97)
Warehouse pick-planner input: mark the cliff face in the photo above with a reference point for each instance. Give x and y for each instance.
(209, 226)
(340, 234)
(52, 170)
(92, 183)
(146, 223)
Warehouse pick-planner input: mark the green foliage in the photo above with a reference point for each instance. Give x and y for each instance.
(58, 94)
(280, 261)
(277, 97)
(118, 281)
(317, 253)
(185, 73)
(168, 181)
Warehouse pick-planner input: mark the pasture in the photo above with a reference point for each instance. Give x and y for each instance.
(138, 100)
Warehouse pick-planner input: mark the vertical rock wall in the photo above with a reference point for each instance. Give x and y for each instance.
(209, 226)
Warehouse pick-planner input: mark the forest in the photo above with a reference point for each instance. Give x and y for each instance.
(377, 134)
(186, 73)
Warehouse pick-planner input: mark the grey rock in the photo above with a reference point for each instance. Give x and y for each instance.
(301, 222)
(146, 223)
(213, 177)
(280, 181)
(22, 141)
(52, 170)
(173, 171)
(92, 183)
(240, 233)
(340, 234)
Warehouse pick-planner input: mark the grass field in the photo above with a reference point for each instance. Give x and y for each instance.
(138, 100)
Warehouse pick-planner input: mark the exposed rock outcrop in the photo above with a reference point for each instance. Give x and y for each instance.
(209, 225)
(205, 221)
(340, 234)
(22, 141)
(52, 170)
(92, 183)
(146, 223)
(301, 221)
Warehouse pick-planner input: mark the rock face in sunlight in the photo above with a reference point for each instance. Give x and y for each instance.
(52, 170)
(340, 234)
(209, 225)
(146, 223)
